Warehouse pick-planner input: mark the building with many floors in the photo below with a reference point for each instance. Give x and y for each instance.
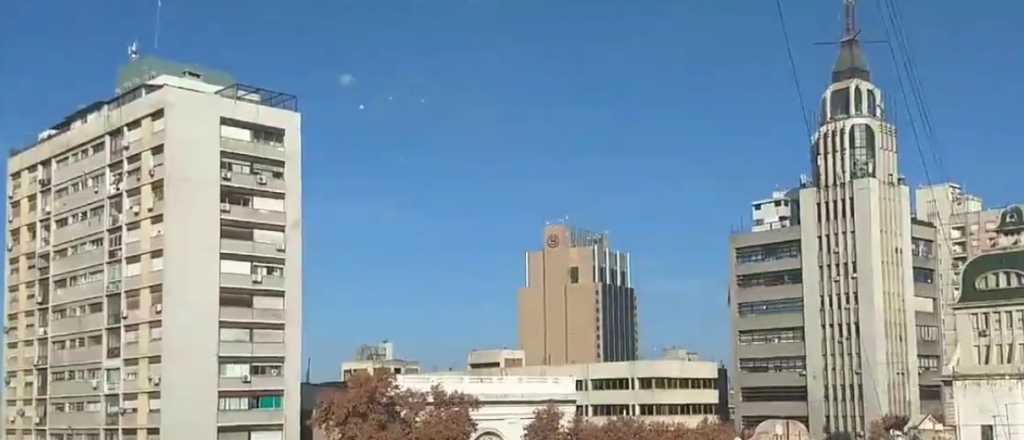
(378, 358)
(986, 378)
(154, 250)
(679, 388)
(578, 305)
(836, 316)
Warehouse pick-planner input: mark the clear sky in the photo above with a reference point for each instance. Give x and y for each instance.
(440, 135)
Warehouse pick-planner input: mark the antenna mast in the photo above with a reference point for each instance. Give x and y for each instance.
(850, 19)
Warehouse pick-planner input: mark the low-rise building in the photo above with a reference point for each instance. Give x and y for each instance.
(507, 403)
(676, 389)
(378, 358)
(500, 358)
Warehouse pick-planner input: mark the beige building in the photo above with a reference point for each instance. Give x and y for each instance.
(377, 359)
(678, 388)
(154, 281)
(578, 305)
(498, 358)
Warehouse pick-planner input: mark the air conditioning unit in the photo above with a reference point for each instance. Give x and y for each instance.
(155, 380)
(46, 209)
(983, 333)
(124, 411)
(257, 278)
(225, 174)
(95, 384)
(11, 419)
(281, 246)
(246, 378)
(37, 420)
(21, 412)
(150, 208)
(225, 207)
(152, 172)
(42, 331)
(37, 362)
(115, 188)
(134, 209)
(125, 144)
(124, 313)
(835, 278)
(261, 179)
(10, 247)
(96, 189)
(159, 308)
(7, 380)
(44, 181)
(40, 299)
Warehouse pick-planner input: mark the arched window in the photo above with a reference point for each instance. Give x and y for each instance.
(858, 101)
(872, 104)
(862, 147)
(840, 103)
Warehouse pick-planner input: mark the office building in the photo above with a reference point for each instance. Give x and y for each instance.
(578, 305)
(676, 389)
(376, 359)
(835, 319)
(154, 287)
(986, 373)
(507, 403)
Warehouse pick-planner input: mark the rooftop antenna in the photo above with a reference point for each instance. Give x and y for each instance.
(133, 51)
(156, 29)
(309, 361)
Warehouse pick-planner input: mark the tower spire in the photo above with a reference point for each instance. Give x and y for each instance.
(850, 30)
(851, 62)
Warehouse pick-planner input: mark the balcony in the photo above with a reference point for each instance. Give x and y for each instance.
(77, 230)
(144, 143)
(255, 181)
(78, 292)
(135, 349)
(81, 198)
(78, 261)
(77, 419)
(252, 148)
(74, 388)
(146, 279)
(77, 323)
(250, 314)
(244, 281)
(250, 417)
(77, 356)
(245, 247)
(251, 349)
(140, 418)
(253, 383)
(248, 214)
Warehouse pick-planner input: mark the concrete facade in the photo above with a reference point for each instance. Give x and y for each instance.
(507, 403)
(578, 305)
(115, 327)
(665, 390)
(835, 318)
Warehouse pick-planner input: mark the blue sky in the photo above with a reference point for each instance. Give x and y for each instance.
(440, 135)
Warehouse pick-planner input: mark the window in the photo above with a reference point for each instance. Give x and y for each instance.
(927, 333)
(268, 302)
(928, 363)
(243, 403)
(920, 247)
(769, 252)
(156, 261)
(840, 103)
(609, 410)
(768, 279)
(610, 384)
(922, 275)
(676, 383)
(774, 394)
(785, 305)
(574, 275)
(234, 370)
(773, 364)
(862, 142)
(987, 433)
(269, 370)
(771, 336)
(267, 336)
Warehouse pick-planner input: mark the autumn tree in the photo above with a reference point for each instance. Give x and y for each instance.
(375, 408)
(880, 428)
(547, 425)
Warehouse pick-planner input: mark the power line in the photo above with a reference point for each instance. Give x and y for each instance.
(792, 66)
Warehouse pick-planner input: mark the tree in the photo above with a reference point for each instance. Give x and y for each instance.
(374, 408)
(880, 428)
(546, 424)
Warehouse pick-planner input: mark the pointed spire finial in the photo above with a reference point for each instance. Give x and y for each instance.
(850, 30)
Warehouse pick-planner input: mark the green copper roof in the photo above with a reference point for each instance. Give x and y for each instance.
(994, 277)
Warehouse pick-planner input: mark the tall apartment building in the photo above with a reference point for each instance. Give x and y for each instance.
(835, 316)
(965, 230)
(578, 305)
(154, 283)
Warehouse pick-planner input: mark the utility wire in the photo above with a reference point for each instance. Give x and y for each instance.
(792, 67)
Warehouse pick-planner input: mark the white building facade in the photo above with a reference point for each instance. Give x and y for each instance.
(154, 283)
(665, 390)
(507, 403)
